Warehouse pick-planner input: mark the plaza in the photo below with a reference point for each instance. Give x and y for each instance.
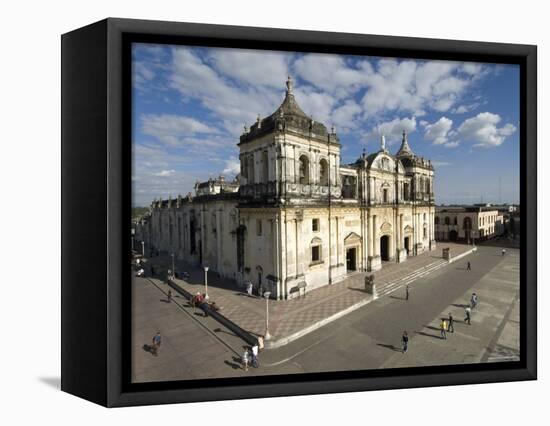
(367, 337)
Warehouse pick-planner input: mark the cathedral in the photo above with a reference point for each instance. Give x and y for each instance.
(296, 218)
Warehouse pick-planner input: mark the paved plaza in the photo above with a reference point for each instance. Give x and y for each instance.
(367, 336)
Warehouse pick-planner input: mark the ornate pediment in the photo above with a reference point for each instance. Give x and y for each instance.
(408, 229)
(386, 227)
(352, 238)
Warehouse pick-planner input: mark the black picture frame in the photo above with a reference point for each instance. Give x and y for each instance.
(96, 190)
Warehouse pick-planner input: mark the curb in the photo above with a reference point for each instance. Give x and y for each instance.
(243, 334)
(460, 256)
(272, 344)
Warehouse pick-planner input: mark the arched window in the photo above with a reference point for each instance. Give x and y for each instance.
(316, 250)
(304, 170)
(250, 174)
(406, 192)
(436, 220)
(323, 172)
(427, 186)
(244, 168)
(265, 167)
(447, 220)
(425, 231)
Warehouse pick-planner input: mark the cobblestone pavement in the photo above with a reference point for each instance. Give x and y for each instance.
(290, 317)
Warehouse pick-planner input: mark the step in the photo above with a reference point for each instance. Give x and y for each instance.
(392, 286)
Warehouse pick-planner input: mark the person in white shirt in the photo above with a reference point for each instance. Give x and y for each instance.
(255, 363)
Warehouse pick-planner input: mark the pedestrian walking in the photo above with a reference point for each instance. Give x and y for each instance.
(468, 266)
(451, 324)
(468, 312)
(169, 296)
(157, 340)
(249, 287)
(443, 328)
(473, 300)
(503, 252)
(255, 362)
(245, 360)
(405, 341)
(407, 292)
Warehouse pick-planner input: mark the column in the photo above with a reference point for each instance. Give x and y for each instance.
(370, 235)
(296, 248)
(376, 243)
(337, 240)
(219, 241)
(401, 232)
(398, 231)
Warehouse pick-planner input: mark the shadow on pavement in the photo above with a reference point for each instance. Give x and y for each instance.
(233, 365)
(149, 348)
(392, 347)
(398, 298)
(219, 330)
(429, 335)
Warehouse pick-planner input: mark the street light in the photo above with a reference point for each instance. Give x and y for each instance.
(143, 248)
(206, 282)
(267, 336)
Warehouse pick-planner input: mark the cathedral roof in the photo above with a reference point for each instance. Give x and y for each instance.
(405, 150)
(288, 116)
(289, 105)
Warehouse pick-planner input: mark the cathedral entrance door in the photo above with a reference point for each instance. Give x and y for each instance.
(408, 245)
(385, 247)
(351, 259)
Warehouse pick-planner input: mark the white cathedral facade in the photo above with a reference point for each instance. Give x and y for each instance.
(297, 218)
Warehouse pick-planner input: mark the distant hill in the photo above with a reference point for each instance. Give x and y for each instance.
(139, 211)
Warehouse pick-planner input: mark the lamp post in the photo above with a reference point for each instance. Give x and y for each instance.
(143, 248)
(267, 336)
(132, 243)
(206, 282)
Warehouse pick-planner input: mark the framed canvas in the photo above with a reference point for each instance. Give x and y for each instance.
(276, 212)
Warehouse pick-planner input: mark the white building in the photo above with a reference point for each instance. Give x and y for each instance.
(300, 218)
(467, 223)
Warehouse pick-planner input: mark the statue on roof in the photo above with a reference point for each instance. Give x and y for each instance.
(289, 85)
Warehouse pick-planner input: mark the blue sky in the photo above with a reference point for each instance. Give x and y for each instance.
(190, 105)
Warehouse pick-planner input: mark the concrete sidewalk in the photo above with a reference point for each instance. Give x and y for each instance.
(291, 319)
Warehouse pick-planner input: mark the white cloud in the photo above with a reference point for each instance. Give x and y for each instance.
(317, 105)
(330, 73)
(438, 132)
(232, 105)
(462, 109)
(232, 167)
(165, 173)
(392, 130)
(253, 67)
(344, 117)
(483, 130)
(413, 86)
(172, 129)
